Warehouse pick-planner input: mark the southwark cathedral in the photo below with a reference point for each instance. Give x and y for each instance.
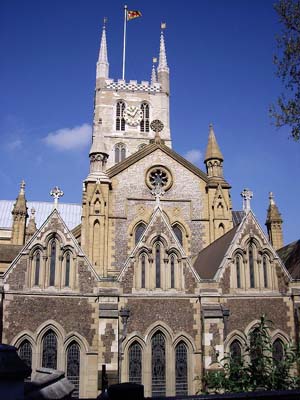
(154, 276)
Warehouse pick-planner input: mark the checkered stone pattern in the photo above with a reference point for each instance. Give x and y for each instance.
(133, 86)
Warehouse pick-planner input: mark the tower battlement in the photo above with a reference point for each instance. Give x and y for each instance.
(132, 86)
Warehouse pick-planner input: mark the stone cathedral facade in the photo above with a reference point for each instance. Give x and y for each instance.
(153, 276)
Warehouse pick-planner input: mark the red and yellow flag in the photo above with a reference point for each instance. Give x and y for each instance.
(132, 14)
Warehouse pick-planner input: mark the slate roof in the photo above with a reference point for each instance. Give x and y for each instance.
(70, 213)
(9, 252)
(237, 217)
(290, 256)
(210, 258)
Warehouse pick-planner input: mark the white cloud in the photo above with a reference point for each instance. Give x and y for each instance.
(194, 156)
(70, 138)
(15, 144)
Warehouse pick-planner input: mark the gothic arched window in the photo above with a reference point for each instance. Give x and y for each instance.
(73, 366)
(145, 122)
(235, 350)
(135, 363)
(143, 271)
(172, 262)
(120, 121)
(49, 359)
(251, 265)
(25, 352)
(157, 265)
(52, 262)
(37, 268)
(278, 350)
(158, 345)
(181, 369)
(139, 230)
(178, 233)
(238, 271)
(265, 271)
(120, 152)
(256, 348)
(67, 270)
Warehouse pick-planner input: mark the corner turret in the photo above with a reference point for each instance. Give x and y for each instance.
(20, 215)
(274, 224)
(213, 157)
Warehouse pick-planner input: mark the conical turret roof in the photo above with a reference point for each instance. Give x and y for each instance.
(212, 150)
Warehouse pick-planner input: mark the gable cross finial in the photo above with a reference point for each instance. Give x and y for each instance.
(56, 193)
(247, 196)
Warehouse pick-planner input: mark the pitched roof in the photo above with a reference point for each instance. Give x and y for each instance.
(70, 213)
(9, 252)
(210, 258)
(290, 256)
(148, 149)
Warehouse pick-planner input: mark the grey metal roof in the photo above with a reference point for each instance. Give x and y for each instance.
(237, 217)
(70, 213)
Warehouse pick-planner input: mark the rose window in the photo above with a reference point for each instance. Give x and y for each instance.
(159, 177)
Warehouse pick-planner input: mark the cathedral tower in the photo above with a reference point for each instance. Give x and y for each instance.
(126, 108)
(274, 224)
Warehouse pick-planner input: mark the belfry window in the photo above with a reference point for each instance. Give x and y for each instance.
(251, 266)
(120, 152)
(73, 366)
(158, 365)
(37, 268)
(49, 359)
(120, 121)
(181, 369)
(52, 263)
(145, 122)
(25, 352)
(135, 363)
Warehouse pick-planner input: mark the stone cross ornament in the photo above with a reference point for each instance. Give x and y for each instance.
(247, 196)
(56, 193)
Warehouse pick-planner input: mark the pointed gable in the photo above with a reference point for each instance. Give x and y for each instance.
(58, 253)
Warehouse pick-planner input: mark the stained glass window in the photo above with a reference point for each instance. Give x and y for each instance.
(37, 268)
(236, 350)
(181, 369)
(52, 263)
(278, 350)
(172, 272)
(49, 350)
(143, 275)
(25, 352)
(158, 365)
(238, 271)
(67, 278)
(178, 233)
(265, 271)
(135, 363)
(144, 125)
(120, 121)
(140, 229)
(73, 366)
(251, 266)
(157, 266)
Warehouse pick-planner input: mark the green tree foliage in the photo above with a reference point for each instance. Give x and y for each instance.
(287, 109)
(257, 368)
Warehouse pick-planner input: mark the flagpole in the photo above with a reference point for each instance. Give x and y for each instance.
(124, 42)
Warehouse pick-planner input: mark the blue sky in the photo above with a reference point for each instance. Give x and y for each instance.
(220, 57)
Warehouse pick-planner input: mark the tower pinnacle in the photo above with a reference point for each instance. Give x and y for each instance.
(98, 155)
(163, 69)
(213, 156)
(102, 64)
(274, 224)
